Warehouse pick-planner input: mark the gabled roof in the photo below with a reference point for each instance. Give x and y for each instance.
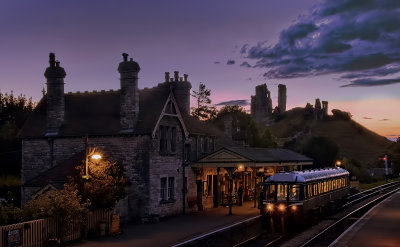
(232, 156)
(270, 154)
(98, 113)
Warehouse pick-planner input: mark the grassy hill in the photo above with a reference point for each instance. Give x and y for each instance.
(354, 141)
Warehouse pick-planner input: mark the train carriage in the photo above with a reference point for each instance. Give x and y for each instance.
(305, 192)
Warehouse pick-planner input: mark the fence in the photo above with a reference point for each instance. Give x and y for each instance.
(35, 233)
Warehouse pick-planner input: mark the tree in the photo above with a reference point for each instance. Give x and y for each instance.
(245, 127)
(203, 111)
(324, 151)
(13, 113)
(105, 186)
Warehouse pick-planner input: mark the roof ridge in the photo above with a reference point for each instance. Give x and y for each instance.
(93, 92)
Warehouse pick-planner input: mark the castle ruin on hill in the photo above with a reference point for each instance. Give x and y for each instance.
(262, 109)
(261, 103)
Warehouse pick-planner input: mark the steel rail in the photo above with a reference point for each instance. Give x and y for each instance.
(373, 192)
(314, 240)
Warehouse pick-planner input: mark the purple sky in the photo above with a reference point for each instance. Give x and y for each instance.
(283, 41)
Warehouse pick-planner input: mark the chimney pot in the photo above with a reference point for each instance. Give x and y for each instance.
(125, 56)
(180, 79)
(167, 76)
(57, 64)
(176, 75)
(185, 76)
(52, 59)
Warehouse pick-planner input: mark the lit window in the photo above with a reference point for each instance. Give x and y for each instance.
(282, 192)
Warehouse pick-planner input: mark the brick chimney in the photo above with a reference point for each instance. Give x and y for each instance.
(55, 96)
(181, 88)
(129, 99)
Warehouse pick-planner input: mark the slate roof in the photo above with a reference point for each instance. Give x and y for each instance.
(259, 156)
(269, 155)
(98, 113)
(57, 175)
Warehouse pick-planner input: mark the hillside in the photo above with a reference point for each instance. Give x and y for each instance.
(354, 140)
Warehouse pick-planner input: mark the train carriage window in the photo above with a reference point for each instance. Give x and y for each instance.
(271, 192)
(282, 192)
(294, 192)
(325, 188)
(315, 189)
(320, 188)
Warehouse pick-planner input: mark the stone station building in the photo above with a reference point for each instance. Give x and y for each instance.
(166, 153)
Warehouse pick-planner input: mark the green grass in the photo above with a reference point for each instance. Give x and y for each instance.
(375, 184)
(9, 181)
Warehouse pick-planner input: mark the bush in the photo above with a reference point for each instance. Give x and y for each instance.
(341, 115)
(356, 169)
(9, 214)
(63, 206)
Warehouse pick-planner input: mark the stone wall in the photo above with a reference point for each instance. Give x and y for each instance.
(166, 165)
(132, 152)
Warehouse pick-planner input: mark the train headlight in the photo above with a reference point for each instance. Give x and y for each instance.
(294, 207)
(270, 207)
(281, 207)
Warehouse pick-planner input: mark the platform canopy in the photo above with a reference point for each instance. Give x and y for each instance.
(251, 157)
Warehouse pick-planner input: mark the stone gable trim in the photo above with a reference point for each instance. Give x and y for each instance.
(177, 115)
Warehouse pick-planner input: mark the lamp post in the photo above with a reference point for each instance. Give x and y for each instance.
(89, 152)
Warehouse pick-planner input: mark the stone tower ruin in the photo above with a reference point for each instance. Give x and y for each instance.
(282, 98)
(261, 104)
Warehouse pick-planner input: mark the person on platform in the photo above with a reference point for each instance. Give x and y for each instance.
(240, 194)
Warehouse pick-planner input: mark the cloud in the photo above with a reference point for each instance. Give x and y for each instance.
(217, 62)
(239, 102)
(367, 118)
(357, 38)
(384, 119)
(245, 64)
(230, 62)
(244, 48)
(370, 82)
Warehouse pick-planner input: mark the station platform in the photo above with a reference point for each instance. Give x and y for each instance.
(175, 230)
(379, 227)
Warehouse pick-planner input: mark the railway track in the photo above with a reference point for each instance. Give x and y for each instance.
(368, 193)
(331, 233)
(338, 224)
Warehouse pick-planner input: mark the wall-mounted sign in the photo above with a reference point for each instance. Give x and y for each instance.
(14, 237)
